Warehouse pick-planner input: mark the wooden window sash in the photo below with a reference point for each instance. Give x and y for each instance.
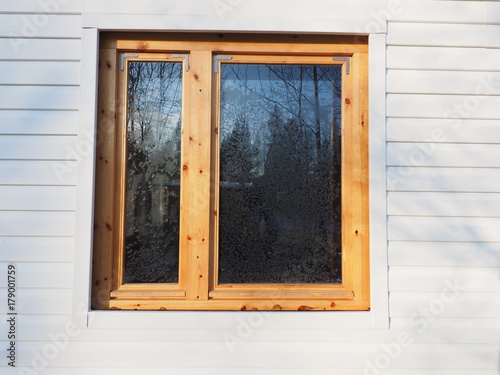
(197, 287)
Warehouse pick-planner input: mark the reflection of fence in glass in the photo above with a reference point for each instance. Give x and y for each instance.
(280, 174)
(153, 164)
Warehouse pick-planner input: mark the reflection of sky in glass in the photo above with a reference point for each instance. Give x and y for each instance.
(156, 99)
(252, 90)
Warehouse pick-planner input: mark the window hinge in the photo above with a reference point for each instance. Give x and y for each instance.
(186, 57)
(216, 64)
(123, 56)
(347, 63)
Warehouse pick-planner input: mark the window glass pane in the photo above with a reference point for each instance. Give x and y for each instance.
(153, 165)
(279, 204)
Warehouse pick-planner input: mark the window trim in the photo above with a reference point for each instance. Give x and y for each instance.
(82, 314)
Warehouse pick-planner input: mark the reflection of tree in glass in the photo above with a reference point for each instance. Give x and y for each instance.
(283, 225)
(237, 154)
(153, 168)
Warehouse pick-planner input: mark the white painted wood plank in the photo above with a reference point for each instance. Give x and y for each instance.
(441, 11)
(30, 147)
(443, 130)
(228, 320)
(492, 33)
(362, 9)
(234, 22)
(41, 301)
(435, 34)
(39, 122)
(443, 106)
(473, 331)
(212, 371)
(377, 180)
(40, 49)
(36, 249)
(458, 229)
(466, 305)
(40, 26)
(39, 327)
(443, 204)
(481, 180)
(37, 198)
(209, 354)
(431, 279)
(37, 173)
(442, 58)
(251, 371)
(443, 82)
(41, 6)
(84, 208)
(444, 331)
(272, 355)
(41, 275)
(149, 7)
(443, 155)
(376, 12)
(37, 223)
(39, 97)
(444, 254)
(39, 73)
(492, 12)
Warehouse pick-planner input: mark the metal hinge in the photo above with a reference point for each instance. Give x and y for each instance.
(186, 57)
(347, 63)
(216, 63)
(123, 56)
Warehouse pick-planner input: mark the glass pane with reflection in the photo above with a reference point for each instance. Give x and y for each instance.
(280, 159)
(153, 178)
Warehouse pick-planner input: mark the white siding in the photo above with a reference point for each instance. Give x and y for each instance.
(443, 203)
(39, 104)
(442, 147)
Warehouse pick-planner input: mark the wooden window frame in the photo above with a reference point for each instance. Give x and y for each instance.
(197, 288)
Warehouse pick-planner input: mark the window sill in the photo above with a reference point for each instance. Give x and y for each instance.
(221, 320)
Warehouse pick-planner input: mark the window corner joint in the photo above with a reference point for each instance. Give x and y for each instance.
(186, 57)
(123, 56)
(347, 63)
(216, 59)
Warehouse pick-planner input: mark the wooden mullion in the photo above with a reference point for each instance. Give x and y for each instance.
(195, 177)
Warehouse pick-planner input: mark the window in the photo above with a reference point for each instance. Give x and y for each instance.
(231, 173)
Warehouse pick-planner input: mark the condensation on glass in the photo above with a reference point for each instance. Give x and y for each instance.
(153, 178)
(280, 174)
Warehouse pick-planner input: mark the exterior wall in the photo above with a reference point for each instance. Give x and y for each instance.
(435, 95)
